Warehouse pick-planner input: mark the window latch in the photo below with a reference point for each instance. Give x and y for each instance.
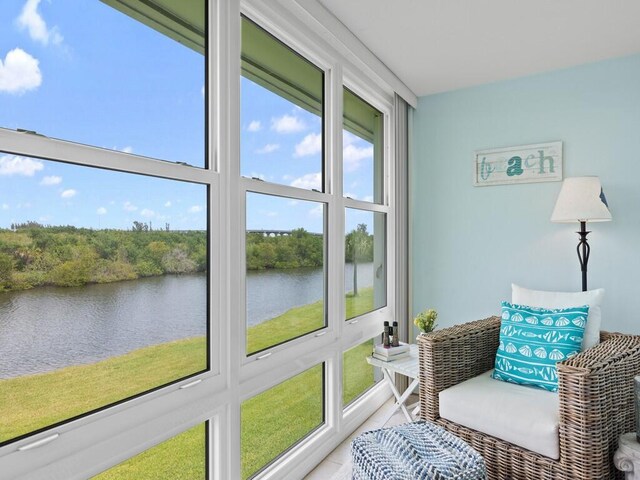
(30, 132)
(190, 384)
(39, 443)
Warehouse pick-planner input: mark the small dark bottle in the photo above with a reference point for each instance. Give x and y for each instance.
(396, 339)
(386, 342)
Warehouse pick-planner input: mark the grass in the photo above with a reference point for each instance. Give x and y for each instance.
(31, 402)
(272, 421)
(302, 320)
(357, 374)
(179, 458)
(276, 419)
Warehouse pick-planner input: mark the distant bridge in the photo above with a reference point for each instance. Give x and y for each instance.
(278, 233)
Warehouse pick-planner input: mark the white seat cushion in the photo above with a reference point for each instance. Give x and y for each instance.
(525, 416)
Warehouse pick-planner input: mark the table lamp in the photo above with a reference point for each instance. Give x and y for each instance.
(581, 199)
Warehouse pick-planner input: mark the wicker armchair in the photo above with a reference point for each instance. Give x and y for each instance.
(595, 397)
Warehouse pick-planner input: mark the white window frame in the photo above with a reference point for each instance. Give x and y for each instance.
(98, 441)
(270, 367)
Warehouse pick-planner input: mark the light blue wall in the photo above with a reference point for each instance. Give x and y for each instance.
(470, 243)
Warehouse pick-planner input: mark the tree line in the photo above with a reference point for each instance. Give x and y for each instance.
(34, 255)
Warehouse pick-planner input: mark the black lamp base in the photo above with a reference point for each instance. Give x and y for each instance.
(583, 253)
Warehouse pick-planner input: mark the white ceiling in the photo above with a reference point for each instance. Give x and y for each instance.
(439, 45)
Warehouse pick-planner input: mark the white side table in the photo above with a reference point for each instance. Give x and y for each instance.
(407, 366)
(627, 457)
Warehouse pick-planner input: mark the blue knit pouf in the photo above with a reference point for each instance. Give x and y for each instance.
(414, 451)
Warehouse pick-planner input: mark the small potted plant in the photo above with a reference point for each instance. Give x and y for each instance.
(426, 320)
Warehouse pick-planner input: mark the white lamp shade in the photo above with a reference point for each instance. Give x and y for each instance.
(581, 200)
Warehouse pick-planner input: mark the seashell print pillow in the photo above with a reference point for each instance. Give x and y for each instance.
(533, 340)
(545, 299)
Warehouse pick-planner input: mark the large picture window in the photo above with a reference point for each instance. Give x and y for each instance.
(103, 298)
(185, 241)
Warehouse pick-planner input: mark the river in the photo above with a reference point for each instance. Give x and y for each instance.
(47, 328)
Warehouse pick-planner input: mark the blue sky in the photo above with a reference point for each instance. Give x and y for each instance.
(111, 82)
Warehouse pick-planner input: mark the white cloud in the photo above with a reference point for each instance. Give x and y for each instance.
(69, 193)
(19, 72)
(202, 91)
(101, 211)
(310, 145)
(317, 211)
(15, 165)
(167, 203)
(309, 181)
(195, 209)
(5, 206)
(292, 203)
(349, 138)
(368, 198)
(268, 148)
(51, 180)
(352, 156)
(147, 213)
(129, 207)
(127, 149)
(287, 124)
(254, 126)
(31, 20)
(271, 214)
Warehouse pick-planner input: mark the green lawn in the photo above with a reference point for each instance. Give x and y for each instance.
(35, 401)
(179, 458)
(272, 421)
(277, 418)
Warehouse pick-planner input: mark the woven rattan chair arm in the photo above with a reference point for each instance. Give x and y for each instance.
(595, 391)
(453, 355)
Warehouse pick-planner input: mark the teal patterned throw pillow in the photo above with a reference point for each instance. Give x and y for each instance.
(533, 340)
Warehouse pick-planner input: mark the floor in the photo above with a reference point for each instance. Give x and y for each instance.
(335, 461)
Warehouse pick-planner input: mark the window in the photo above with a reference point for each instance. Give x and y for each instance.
(183, 456)
(362, 155)
(181, 246)
(105, 297)
(281, 112)
(365, 268)
(100, 81)
(285, 270)
(274, 420)
(105, 246)
(357, 375)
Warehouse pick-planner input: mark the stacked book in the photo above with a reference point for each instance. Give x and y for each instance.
(388, 354)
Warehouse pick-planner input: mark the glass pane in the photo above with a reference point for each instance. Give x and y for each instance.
(362, 150)
(103, 288)
(109, 80)
(281, 112)
(181, 457)
(357, 375)
(278, 418)
(285, 269)
(365, 268)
